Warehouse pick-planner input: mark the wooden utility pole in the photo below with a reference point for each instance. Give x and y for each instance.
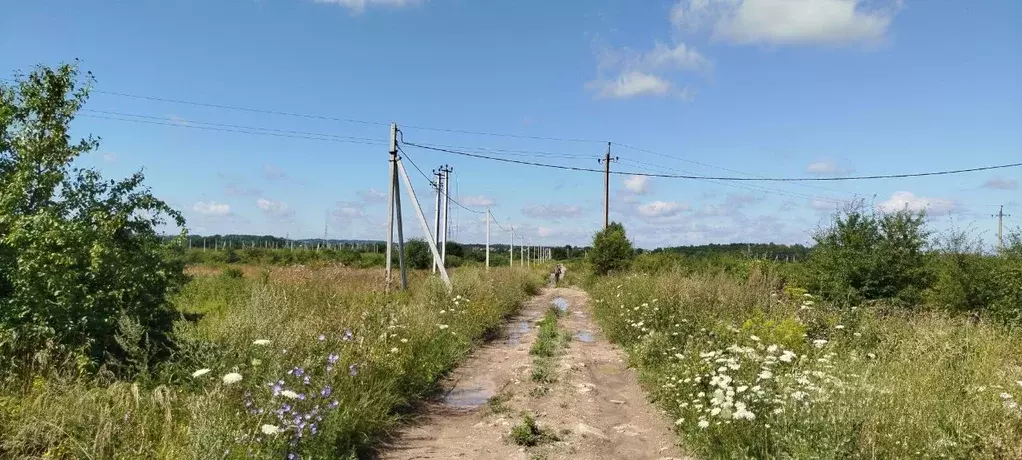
(1000, 228)
(606, 186)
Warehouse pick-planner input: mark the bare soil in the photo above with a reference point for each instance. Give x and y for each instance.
(595, 407)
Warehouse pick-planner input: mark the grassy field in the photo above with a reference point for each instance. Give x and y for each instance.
(751, 371)
(275, 363)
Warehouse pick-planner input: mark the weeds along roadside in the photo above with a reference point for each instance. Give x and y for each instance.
(313, 362)
(748, 371)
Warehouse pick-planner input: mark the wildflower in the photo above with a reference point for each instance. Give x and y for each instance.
(261, 342)
(326, 391)
(754, 338)
(269, 429)
(1005, 396)
(347, 335)
(394, 350)
(704, 424)
(715, 411)
(679, 421)
(772, 349)
(443, 326)
(256, 361)
(857, 334)
(200, 373)
(332, 358)
(871, 355)
(404, 340)
(839, 326)
(321, 337)
(289, 394)
(787, 356)
(1018, 382)
(443, 312)
(353, 370)
(819, 343)
(232, 378)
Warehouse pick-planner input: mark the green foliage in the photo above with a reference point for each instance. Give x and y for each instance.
(865, 255)
(77, 253)
(964, 280)
(529, 434)
(612, 252)
(418, 255)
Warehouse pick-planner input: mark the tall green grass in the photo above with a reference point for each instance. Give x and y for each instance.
(368, 355)
(749, 370)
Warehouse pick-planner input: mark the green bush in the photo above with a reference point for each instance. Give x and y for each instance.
(77, 253)
(612, 252)
(866, 255)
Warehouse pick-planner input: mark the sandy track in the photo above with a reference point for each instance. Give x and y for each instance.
(596, 405)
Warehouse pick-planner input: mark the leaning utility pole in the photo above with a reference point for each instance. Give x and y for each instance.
(1000, 228)
(606, 186)
(436, 214)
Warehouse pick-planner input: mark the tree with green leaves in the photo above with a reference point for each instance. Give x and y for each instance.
(80, 256)
(868, 255)
(612, 252)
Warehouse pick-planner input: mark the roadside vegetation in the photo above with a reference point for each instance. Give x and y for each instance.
(109, 350)
(888, 342)
(549, 342)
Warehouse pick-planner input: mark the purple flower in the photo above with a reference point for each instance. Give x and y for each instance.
(307, 380)
(332, 358)
(326, 391)
(347, 335)
(334, 404)
(277, 388)
(301, 396)
(322, 337)
(353, 370)
(297, 372)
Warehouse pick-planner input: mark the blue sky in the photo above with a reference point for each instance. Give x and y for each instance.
(718, 87)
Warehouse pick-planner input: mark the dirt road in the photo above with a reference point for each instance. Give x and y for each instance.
(595, 408)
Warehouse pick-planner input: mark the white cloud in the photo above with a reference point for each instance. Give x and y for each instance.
(372, 196)
(908, 201)
(826, 167)
(998, 183)
(212, 208)
(784, 22)
(662, 208)
(637, 184)
(358, 6)
(630, 84)
(635, 73)
(552, 211)
(275, 209)
(822, 205)
(476, 200)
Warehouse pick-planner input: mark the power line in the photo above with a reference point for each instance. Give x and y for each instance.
(240, 131)
(345, 120)
(725, 178)
(189, 121)
(242, 109)
(434, 184)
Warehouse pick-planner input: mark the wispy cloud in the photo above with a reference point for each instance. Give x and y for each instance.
(625, 72)
(481, 201)
(639, 185)
(275, 210)
(358, 6)
(273, 172)
(552, 211)
(998, 183)
(211, 208)
(661, 209)
(824, 167)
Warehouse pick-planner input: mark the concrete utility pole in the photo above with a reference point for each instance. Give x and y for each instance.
(1000, 228)
(512, 246)
(436, 214)
(395, 208)
(446, 170)
(606, 186)
(487, 238)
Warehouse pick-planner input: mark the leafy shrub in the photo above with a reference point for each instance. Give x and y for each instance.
(77, 252)
(866, 255)
(611, 250)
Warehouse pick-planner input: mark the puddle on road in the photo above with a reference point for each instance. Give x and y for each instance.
(468, 398)
(515, 332)
(561, 304)
(585, 336)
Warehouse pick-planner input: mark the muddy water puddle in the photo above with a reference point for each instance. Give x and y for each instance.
(561, 303)
(468, 398)
(585, 336)
(515, 332)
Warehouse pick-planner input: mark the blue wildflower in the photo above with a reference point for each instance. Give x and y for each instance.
(353, 370)
(347, 335)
